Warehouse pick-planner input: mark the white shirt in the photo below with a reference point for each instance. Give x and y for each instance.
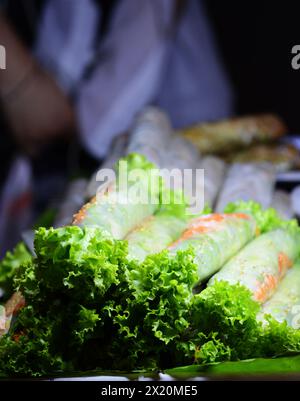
(139, 62)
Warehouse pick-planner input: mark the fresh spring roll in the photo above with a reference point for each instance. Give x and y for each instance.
(150, 134)
(214, 172)
(181, 154)
(154, 235)
(284, 156)
(114, 212)
(215, 238)
(295, 200)
(179, 169)
(11, 307)
(245, 182)
(2, 320)
(281, 202)
(226, 135)
(118, 210)
(284, 305)
(262, 263)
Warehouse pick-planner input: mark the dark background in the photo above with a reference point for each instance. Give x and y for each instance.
(256, 38)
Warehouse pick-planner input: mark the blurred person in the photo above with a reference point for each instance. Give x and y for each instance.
(92, 65)
(95, 64)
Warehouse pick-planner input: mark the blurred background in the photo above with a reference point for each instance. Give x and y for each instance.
(79, 71)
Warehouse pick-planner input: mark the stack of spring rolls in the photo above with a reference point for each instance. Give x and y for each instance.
(151, 135)
(137, 282)
(227, 246)
(252, 170)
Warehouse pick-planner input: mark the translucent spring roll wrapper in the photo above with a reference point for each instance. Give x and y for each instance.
(247, 182)
(214, 172)
(181, 154)
(284, 156)
(150, 134)
(154, 235)
(281, 202)
(2, 320)
(262, 263)
(215, 238)
(12, 306)
(284, 305)
(226, 135)
(180, 161)
(117, 213)
(295, 200)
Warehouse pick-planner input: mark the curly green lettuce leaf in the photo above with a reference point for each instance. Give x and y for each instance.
(228, 312)
(213, 350)
(135, 161)
(224, 326)
(65, 285)
(87, 320)
(28, 351)
(279, 339)
(129, 321)
(163, 284)
(69, 256)
(152, 310)
(89, 307)
(267, 219)
(172, 202)
(78, 263)
(10, 264)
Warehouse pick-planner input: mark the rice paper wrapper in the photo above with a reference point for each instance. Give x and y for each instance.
(180, 162)
(150, 134)
(262, 264)
(4, 321)
(181, 154)
(154, 235)
(285, 303)
(248, 182)
(295, 200)
(119, 210)
(215, 238)
(281, 202)
(214, 172)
